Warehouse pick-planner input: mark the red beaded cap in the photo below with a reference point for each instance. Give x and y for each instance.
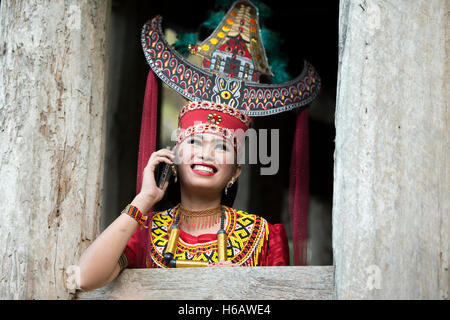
(210, 117)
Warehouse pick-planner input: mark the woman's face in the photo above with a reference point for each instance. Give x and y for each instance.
(206, 161)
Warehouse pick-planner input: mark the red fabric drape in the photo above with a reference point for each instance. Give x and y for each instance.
(299, 189)
(147, 142)
(136, 248)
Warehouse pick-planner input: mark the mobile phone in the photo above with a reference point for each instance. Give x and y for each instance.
(165, 172)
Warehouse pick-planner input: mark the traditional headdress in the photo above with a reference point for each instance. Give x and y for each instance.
(210, 117)
(233, 61)
(225, 90)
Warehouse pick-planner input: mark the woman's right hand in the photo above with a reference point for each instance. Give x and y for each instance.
(150, 193)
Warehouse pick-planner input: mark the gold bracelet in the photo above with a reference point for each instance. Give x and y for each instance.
(123, 261)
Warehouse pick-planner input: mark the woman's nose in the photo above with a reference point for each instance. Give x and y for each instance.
(207, 153)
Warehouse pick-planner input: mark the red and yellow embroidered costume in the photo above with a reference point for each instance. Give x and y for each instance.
(252, 241)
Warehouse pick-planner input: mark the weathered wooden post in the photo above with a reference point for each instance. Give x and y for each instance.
(391, 188)
(53, 71)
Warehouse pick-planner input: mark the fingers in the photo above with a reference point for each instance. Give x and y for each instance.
(154, 161)
(164, 152)
(223, 264)
(163, 159)
(156, 157)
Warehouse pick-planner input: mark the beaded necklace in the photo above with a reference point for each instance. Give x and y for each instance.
(196, 219)
(174, 233)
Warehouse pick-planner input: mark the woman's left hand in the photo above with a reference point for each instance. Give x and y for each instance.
(223, 264)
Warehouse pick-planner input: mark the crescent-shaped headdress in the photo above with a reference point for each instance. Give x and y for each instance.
(233, 60)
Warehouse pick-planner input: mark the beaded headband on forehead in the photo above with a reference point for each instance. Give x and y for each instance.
(210, 117)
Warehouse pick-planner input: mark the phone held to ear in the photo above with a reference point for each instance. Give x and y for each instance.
(165, 172)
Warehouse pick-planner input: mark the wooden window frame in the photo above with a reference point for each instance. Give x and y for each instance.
(246, 283)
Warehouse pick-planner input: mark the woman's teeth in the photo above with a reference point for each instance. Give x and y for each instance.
(203, 168)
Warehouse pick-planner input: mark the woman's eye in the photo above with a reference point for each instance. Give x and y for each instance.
(194, 141)
(222, 146)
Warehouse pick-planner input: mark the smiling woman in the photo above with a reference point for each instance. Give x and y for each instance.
(200, 231)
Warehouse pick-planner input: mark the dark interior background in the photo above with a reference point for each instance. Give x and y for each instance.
(309, 31)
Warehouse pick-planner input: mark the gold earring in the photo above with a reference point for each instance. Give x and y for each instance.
(174, 172)
(229, 184)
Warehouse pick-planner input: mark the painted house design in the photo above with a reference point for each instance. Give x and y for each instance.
(235, 48)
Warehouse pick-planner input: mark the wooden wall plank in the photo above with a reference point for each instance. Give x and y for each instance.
(392, 183)
(262, 283)
(53, 85)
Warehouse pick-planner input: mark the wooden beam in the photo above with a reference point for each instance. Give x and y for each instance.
(392, 183)
(262, 283)
(53, 83)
